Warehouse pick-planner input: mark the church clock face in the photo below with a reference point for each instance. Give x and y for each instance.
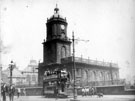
(62, 27)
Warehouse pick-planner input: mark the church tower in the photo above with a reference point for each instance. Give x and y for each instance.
(57, 44)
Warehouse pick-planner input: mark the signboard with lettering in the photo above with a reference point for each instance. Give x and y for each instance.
(50, 77)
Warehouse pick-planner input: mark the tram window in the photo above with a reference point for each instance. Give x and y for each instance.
(62, 89)
(62, 86)
(54, 72)
(49, 88)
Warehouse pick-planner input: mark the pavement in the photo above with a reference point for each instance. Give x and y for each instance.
(80, 98)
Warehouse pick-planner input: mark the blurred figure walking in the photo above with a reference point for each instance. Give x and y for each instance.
(24, 92)
(18, 92)
(83, 91)
(4, 90)
(11, 92)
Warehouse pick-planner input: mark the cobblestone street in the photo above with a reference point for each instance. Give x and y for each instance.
(88, 98)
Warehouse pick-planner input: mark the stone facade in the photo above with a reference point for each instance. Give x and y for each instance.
(93, 72)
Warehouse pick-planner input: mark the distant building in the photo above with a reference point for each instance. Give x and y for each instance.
(4, 78)
(57, 54)
(27, 77)
(17, 77)
(31, 73)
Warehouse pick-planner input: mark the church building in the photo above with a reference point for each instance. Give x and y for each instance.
(57, 54)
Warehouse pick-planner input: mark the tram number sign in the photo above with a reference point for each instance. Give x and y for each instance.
(50, 77)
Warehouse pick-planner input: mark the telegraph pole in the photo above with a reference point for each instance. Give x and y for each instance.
(74, 68)
(74, 71)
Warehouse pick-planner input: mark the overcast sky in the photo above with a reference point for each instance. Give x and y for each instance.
(109, 25)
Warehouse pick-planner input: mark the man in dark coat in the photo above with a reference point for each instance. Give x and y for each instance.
(11, 92)
(4, 91)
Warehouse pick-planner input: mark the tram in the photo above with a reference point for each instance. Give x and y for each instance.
(56, 83)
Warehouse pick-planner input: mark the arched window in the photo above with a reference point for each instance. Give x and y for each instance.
(108, 77)
(85, 74)
(78, 72)
(101, 76)
(93, 76)
(89, 76)
(98, 75)
(63, 52)
(115, 76)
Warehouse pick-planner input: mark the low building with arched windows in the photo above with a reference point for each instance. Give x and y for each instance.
(93, 72)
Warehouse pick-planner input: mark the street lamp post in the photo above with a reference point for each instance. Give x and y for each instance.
(11, 69)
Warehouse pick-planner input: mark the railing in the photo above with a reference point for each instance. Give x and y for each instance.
(27, 85)
(89, 61)
(59, 37)
(105, 83)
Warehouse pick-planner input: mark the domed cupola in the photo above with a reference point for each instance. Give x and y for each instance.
(56, 26)
(56, 15)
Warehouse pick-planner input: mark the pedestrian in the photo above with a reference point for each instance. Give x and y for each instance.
(56, 93)
(11, 92)
(24, 92)
(4, 91)
(18, 92)
(95, 90)
(83, 91)
(92, 90)
(87, 91)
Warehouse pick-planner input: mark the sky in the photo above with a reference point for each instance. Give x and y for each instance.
(109, 25)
